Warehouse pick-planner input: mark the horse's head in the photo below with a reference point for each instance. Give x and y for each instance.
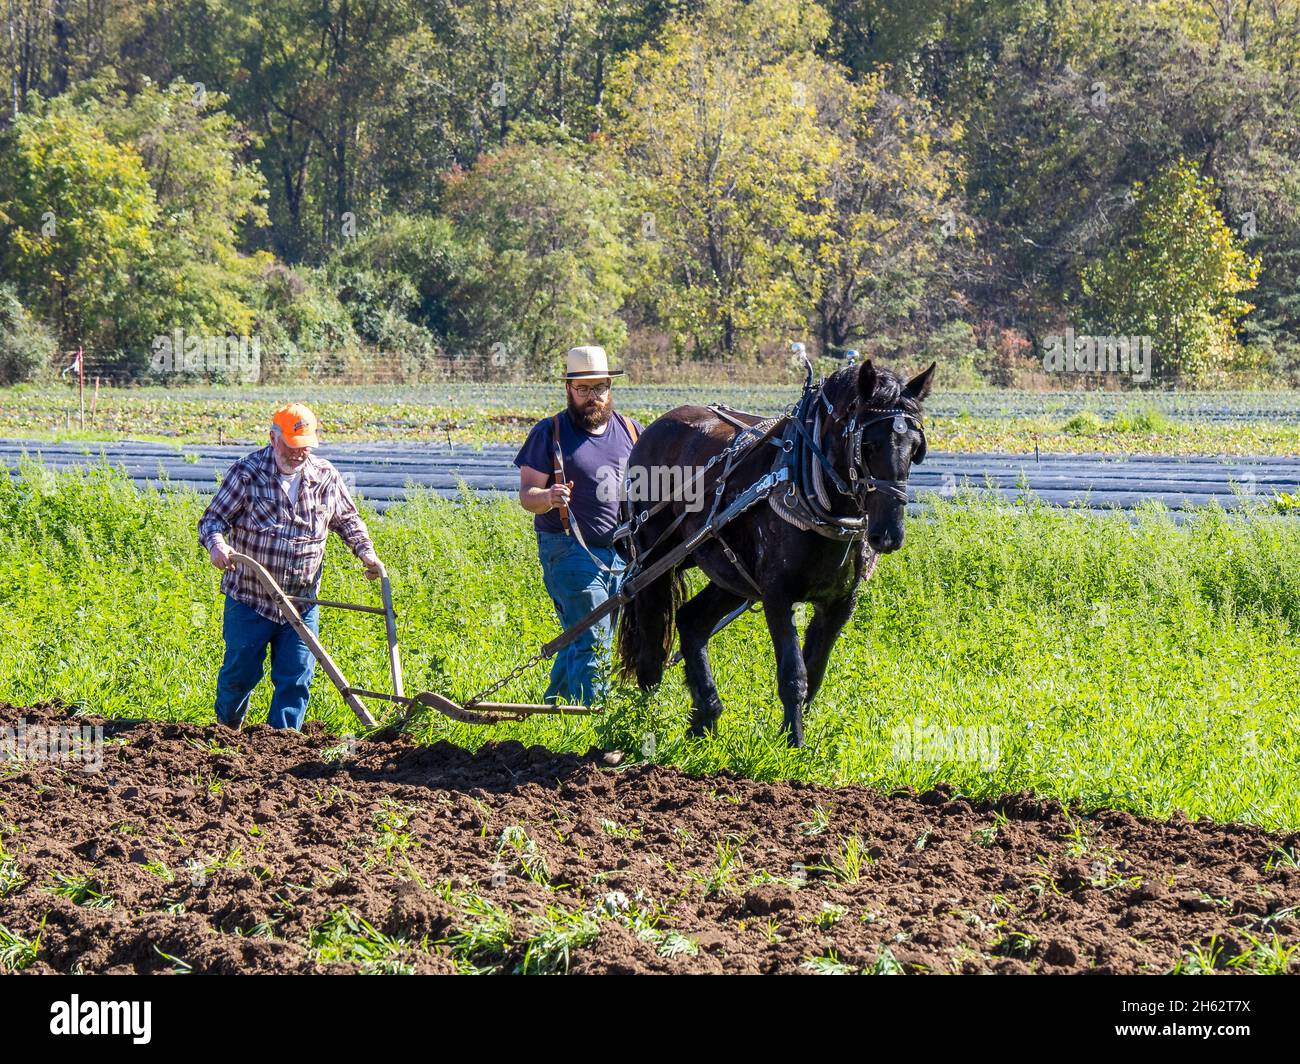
(877, 438)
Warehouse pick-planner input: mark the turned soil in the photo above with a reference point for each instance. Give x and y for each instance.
(197, 848)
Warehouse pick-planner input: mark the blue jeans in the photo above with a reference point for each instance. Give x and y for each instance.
(248, 634)
(577, 586)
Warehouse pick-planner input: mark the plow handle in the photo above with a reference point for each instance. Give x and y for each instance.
(306, 634)
(390, 624)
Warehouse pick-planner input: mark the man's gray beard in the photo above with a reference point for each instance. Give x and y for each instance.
(589, 422)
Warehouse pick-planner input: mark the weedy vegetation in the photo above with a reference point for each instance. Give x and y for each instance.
(1145, 665)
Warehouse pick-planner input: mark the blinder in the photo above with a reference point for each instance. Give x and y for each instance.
(861, 482)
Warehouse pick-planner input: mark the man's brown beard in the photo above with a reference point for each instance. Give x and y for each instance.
(590, 421)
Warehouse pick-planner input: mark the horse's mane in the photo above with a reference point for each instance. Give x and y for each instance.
(842, 389)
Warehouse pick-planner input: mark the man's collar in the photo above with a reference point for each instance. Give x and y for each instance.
(311, 469)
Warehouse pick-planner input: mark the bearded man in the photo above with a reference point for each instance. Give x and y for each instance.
(570, 470)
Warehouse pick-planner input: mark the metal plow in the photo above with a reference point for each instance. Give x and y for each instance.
(474, 712)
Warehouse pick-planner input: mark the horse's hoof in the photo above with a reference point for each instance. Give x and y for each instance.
(703, 728)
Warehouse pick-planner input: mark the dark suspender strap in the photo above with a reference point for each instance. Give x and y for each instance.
(558, 457)
(571, 526)
(570, 523)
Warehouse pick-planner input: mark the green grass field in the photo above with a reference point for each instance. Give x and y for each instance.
(1150, 667)
(1264, 423)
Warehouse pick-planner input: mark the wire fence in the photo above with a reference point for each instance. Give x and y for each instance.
(246, 365)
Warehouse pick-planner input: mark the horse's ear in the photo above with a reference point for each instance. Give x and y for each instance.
(867, 380)
(919, 386)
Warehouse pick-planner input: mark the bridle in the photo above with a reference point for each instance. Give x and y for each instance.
(807, 501)
(861, 482)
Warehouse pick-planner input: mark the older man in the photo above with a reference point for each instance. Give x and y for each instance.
(276, 505)
(570, 470)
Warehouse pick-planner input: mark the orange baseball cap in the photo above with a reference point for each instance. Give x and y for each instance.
(297, 425)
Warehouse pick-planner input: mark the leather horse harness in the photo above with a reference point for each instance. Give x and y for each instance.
(801, 465)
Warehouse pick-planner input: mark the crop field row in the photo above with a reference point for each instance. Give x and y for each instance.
(1065, 422)
(1282, 405)
(385, 475)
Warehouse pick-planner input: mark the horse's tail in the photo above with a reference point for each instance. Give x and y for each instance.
(645, 629)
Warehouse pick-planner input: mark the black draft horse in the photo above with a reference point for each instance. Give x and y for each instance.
(788, 564)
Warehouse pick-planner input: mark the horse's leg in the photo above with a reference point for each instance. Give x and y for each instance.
(695, 622)
(791, 676)
(825, 627)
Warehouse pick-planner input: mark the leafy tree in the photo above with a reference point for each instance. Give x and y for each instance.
(309, 78)
(128, 213)
(26, 347)
(542, 236)
(199, 279)
(716, 122)
(406, 262)
(302, 325)
(1176, 276)
(891, 216)
(76, 226)
(363, 105)
(48, 46)
(1066, 105)
(792, 161)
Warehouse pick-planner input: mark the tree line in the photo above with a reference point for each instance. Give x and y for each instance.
(683, 179)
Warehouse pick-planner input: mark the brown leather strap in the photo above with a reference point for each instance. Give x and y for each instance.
(630, 426)
(558, 455)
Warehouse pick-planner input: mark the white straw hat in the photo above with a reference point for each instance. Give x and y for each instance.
(588, 363)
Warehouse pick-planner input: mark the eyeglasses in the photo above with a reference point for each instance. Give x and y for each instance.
(584, 390)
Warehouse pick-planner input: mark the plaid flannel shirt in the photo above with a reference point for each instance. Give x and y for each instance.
(251, 512)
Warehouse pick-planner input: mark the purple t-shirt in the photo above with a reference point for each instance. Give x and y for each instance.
(595, 464)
